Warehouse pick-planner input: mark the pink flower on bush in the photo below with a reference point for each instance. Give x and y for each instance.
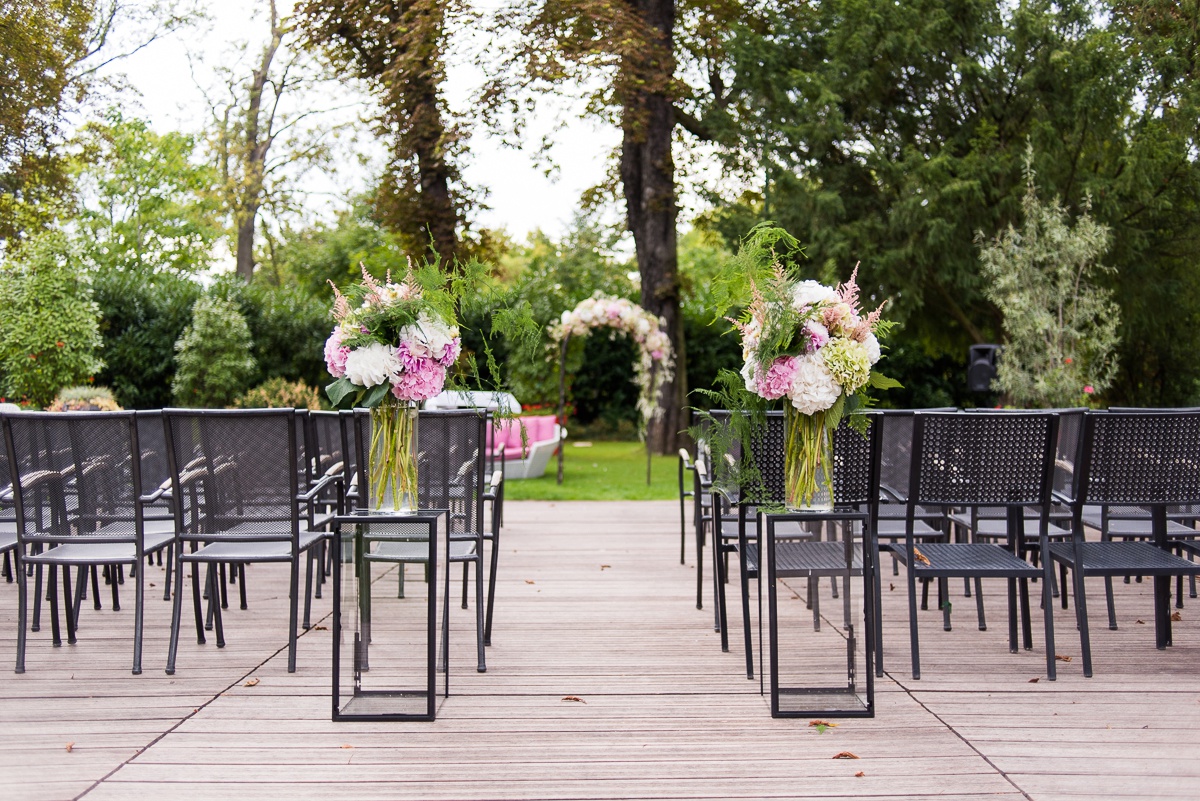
(335, 354)
(1089, 389)
(778, 380)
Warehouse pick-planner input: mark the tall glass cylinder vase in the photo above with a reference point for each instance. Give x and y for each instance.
(808, 461)
(393, 465)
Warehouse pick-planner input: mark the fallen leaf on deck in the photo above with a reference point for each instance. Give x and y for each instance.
(605, 567)
(845, 755)
(347, 746)
(920, 557)
(1035, 680)
(1062, 658)
(1141, 622)
(574, 698)
(320, 628)
(70, 747)
(1176, 617)
(822, 725)
(859, 775)
(891, 587)
(250, 682)
(529, 581)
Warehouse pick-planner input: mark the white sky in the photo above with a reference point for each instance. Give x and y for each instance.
(522, 198)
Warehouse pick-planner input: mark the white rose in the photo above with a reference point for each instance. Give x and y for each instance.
(813, 387)
(372, 365)
(810, 293)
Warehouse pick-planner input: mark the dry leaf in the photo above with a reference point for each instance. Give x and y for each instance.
(1035, 680)
(1141, 622)
(859, 775)
(70, 747)
(822, 725)
(528, 581)
(844, 755)
(1176, 617)
(320, 628)
(250, 682)
(920, 557)
(1062, 658)
(347, 746)
(605, 567)
(891, 587)
(574, 698)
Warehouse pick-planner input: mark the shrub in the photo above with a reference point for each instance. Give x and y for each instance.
(214, 364)
(49, 336)
(85, 399)
(279, 393)
(142, 316)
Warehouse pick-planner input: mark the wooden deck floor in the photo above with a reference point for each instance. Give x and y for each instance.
(593, 603)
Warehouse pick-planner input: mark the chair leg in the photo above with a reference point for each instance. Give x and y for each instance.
(1012, 615)
(293, 607)
(1112, 609)
(466, 571)
(745, 586)
(176, 615)
(68, 605)
(241, 570)
(170, 549)
(700, 567)
(911, 580)
(139, 596)
(52, 587)
(214, 577)
(491, 593)
(94, 571)
(1026, 625)
(36, 625)
(22, 613)
(1081, 620)
(116, 595)
(196, 602)
(1048, 618)
(308, 589)
(979, 604)
(944, 602)
(719, 597)
(479, 622)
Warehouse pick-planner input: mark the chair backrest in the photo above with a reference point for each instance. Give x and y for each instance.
(152, 440)
(450, 464)
(984, 459)
(895, 451)
(1140, 458)
(237, 469)
(74, 473)
(327, 441)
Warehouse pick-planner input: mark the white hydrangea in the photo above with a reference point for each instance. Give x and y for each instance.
(813, 387)
(810, 293)
(429, 337)
(749, 376)
(372, 365)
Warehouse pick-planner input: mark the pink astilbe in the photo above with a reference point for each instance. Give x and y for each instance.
(373, 297)
(848, 291)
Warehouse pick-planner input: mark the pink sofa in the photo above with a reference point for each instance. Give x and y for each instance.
(528, 460)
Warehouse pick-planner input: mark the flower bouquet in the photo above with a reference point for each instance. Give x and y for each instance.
(812, 345)
(390, 351)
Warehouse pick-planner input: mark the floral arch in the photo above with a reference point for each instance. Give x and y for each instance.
(656, 362)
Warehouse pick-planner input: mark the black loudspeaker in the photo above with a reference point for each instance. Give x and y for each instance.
(981, 367)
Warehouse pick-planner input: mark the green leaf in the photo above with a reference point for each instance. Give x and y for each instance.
(834, 415)
(375, 395)
(339, 390)
(881, 381)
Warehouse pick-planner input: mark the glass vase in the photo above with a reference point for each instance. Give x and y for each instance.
(393, 465)
(808, 461)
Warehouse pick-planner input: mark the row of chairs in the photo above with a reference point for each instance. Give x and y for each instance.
(985, 494)
(103, 492)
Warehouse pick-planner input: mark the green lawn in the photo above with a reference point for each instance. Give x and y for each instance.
(604, 471)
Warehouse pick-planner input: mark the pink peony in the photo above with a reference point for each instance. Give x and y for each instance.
(450, 354)
(778, 380)
(818, 337)
(335, 354)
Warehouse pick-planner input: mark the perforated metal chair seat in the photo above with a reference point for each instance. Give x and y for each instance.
(261, 550)
(893, 529)
(981, 559)
(97, 553)
(1124, 558)
(1127, 524)
(8, 540)
(996, 528)
(805, 559)
(415, 551)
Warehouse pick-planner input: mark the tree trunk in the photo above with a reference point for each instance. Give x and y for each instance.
(439, 218)
(648, 180)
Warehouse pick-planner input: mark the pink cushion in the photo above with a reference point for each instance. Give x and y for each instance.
(508, 434)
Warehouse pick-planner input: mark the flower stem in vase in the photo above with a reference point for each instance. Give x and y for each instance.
(808, 461)
(394, 457)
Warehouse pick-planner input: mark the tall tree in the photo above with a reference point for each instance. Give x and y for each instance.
(632, 51)
(397, 48)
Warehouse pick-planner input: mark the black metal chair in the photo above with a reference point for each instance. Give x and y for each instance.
(77, 490)
(1003, 460)
(450, 475)
(1136, 459)
(237, 498)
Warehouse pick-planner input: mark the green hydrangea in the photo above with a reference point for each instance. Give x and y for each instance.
(848, 362)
